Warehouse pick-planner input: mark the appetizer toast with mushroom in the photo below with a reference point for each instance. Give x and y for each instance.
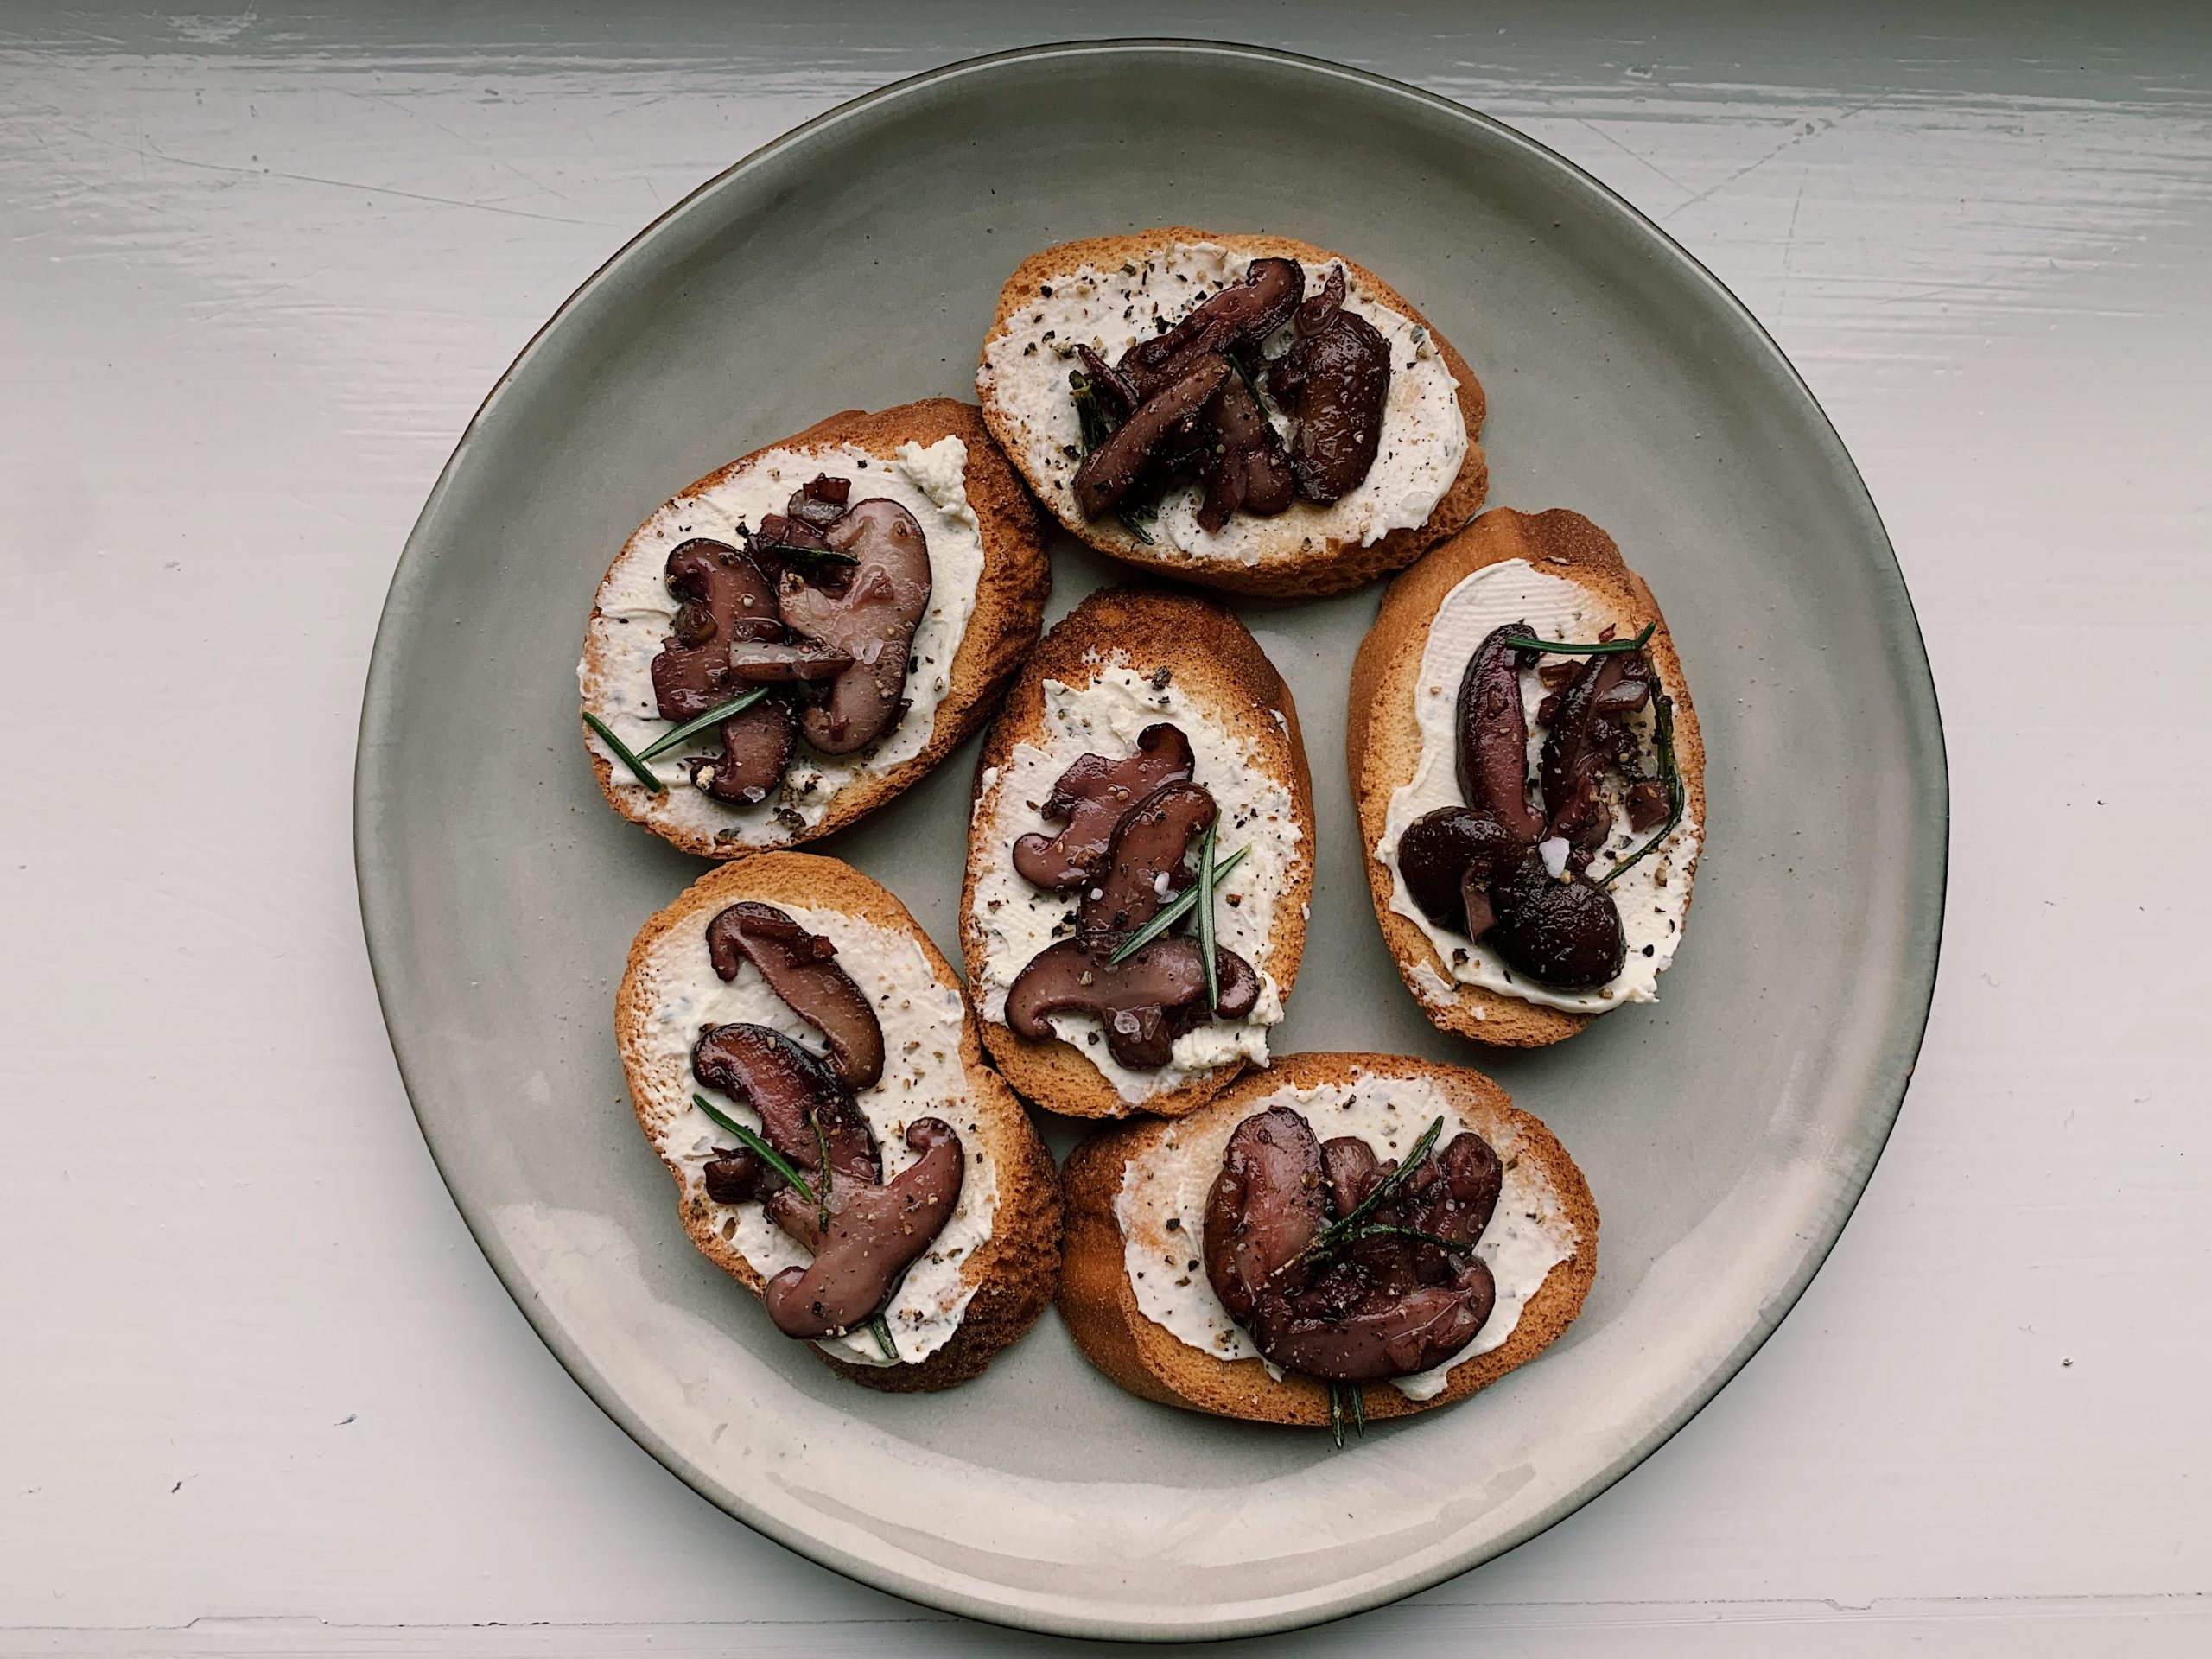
(797, 637)
(1517, 915)
(804, 1063)
(1247, 412)
(1139, 859)
(1340, 1238)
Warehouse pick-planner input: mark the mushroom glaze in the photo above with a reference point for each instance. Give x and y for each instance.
(1346, 1267)
(1145, 993)
(818, 608)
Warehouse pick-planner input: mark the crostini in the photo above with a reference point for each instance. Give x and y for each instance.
(1340, 1238)
(1517, 915)
(1247, 412)
(804, 1063)
(1142, 801)
(797, 638)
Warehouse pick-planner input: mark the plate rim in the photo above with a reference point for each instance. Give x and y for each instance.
(374, 870)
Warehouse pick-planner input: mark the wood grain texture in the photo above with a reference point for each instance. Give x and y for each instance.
(259, 270)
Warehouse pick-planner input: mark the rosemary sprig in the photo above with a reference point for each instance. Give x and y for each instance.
(1091, 418)
(1172, 913)
(1089, 414)
(1596, 648)
(1205, 914)
(1337, 1232)
(879, 1328)
(1347, 1402)
(766, 1153)
(1662, 714)
(1384, 1230)
(638, 769)
(822, 1151)
(714, 717)
(1136, 522)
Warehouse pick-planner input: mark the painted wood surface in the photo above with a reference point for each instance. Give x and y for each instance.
(259, 1394)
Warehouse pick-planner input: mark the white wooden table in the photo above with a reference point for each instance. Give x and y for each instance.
(258, 1393)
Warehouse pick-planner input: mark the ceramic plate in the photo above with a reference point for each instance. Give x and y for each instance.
(1727, 1131)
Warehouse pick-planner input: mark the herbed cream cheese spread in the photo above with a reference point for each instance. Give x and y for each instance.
(1025, 375)
(922, 1077)
(1161, 1210)
(1256, 810)
(1653, 896)
(636, 612)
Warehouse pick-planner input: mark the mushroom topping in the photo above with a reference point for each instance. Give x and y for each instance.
(1089, 798)
(1265, 1206)
(1145, 1001)
(1588, 731)
(1334, 381)
(871, 619)
(1448, 857)
(801, 968)
(1562, 930)
(733, 1175)
(1350, 1299)
(1243, 313)
(1110, 471)
(1144, 861)
(795, 1095)
(875, 1233)
(724, 601)
(1246, 465)
(820, 500)
(1493, 735)
(756, 748)
(1159, 992)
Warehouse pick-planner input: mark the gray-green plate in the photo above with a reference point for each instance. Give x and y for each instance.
(1727, 1131)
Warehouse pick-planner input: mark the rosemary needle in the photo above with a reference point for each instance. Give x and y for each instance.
(713, 717)
(1172, 913)
(1596, 648)
(879, 1328)
(1662, 714)
(1205, 915)
(638, 769)
(766, 1153)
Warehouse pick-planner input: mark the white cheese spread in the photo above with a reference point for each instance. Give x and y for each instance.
(1161, 1211)
(922, 1077)
(1025, 376)
(1653, 896)
(636, 612)
(1256, 810)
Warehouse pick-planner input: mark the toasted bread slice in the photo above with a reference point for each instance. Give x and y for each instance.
(1385, 746)
(1108, 290)
(997, 1259)
(1126, 1183)
(1122, 659)
(986, 607)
